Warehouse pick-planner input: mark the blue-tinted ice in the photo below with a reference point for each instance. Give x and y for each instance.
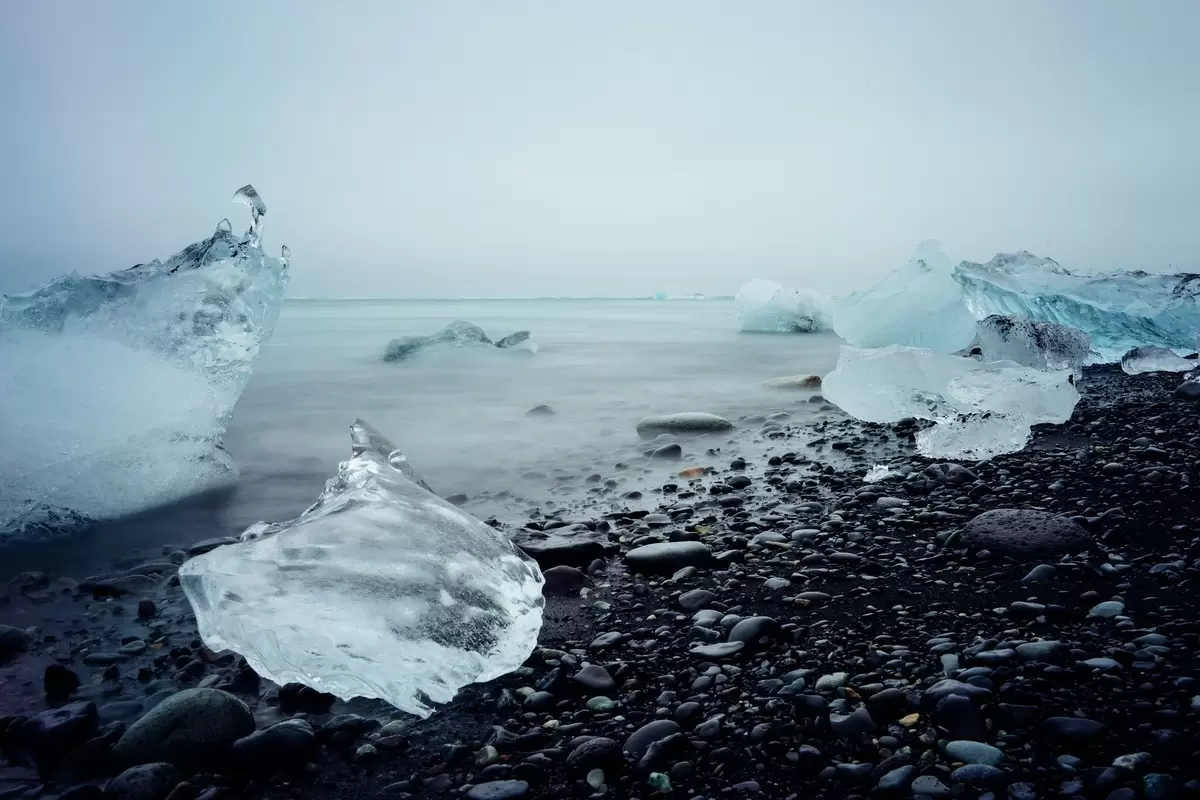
(1118, 310)
(381, 589)
(115, 389)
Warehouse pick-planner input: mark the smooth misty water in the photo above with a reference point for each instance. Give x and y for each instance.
(459, 414)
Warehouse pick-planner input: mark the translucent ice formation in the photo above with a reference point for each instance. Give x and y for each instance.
(1043, 345)
(1155, 359)
(766, 307)
(456, 334)
(981, 409)
(1117, 311)
(115, 389)
(918, 305)
(381, 589)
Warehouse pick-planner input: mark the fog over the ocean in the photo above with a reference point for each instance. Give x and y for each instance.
(537, 148)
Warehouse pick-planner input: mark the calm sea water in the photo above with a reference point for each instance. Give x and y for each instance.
(460, 414)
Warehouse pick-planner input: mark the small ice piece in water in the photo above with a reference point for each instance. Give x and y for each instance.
(1155, 359)
(918, 305)
(766, 307)
(115, 390)
(981, 409)
(1117, 310)
(456, 334)
(381, 589)
(877, 473)
(1043, 345)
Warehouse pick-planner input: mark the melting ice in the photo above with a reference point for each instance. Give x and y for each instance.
(381, 589)
(918, 305)
(981, 409)
(115, 390)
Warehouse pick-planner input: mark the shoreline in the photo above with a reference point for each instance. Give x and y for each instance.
(857, 603)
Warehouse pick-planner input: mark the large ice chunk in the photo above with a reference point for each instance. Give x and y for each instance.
(918, 305)
(381, 589)
(115, 389)
(1117, 311)
(1044, 345)
(1155, 359)
(767, 307)
(981, 409)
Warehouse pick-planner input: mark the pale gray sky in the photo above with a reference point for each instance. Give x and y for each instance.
(619, 148)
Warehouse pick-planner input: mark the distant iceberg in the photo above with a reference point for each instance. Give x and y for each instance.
(380, 589)
(917, 305)
(767, 307)
(456, 334)
(115, 390)
(1118, 310)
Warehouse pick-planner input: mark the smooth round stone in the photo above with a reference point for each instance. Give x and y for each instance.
(752, 629)
(718, 650)
(666, 557)
(970, 752)
(929, 785)
(828, 683)
(640, 740)
(600, 704)
(1107, 610)
(595, 679)
(1024, 533)
(136, 647)
(498, 790)
(978, 775)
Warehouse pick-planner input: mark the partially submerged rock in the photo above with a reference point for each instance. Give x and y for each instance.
(795, 383)
(689, 422)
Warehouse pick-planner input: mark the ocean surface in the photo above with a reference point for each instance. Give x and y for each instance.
(460, 413)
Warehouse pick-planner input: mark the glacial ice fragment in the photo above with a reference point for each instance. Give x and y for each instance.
(456, 334)
(380, 589)
(918, 305)
(980, 409)
(115, 389)
(1043, 345)
(766, 307)
(1155, 359)
(1117, 311)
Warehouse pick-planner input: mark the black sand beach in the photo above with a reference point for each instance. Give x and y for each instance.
(802, 634)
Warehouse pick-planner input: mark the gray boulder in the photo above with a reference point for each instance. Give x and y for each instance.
(1022, 533)
(575, 545)
(664, 558)
(191, 728)
(691, 422)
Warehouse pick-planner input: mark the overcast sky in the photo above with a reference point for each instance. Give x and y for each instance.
(515, 148)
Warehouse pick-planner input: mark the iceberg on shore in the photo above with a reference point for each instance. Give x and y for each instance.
(767, 307)
(1043, 345)
(918, 305)
(456, 334)
(115, 390)
(1117, 311)
(380, 589)
(1155, 359)
(980, 409)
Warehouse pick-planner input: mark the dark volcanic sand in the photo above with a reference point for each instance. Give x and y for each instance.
(862, 602)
